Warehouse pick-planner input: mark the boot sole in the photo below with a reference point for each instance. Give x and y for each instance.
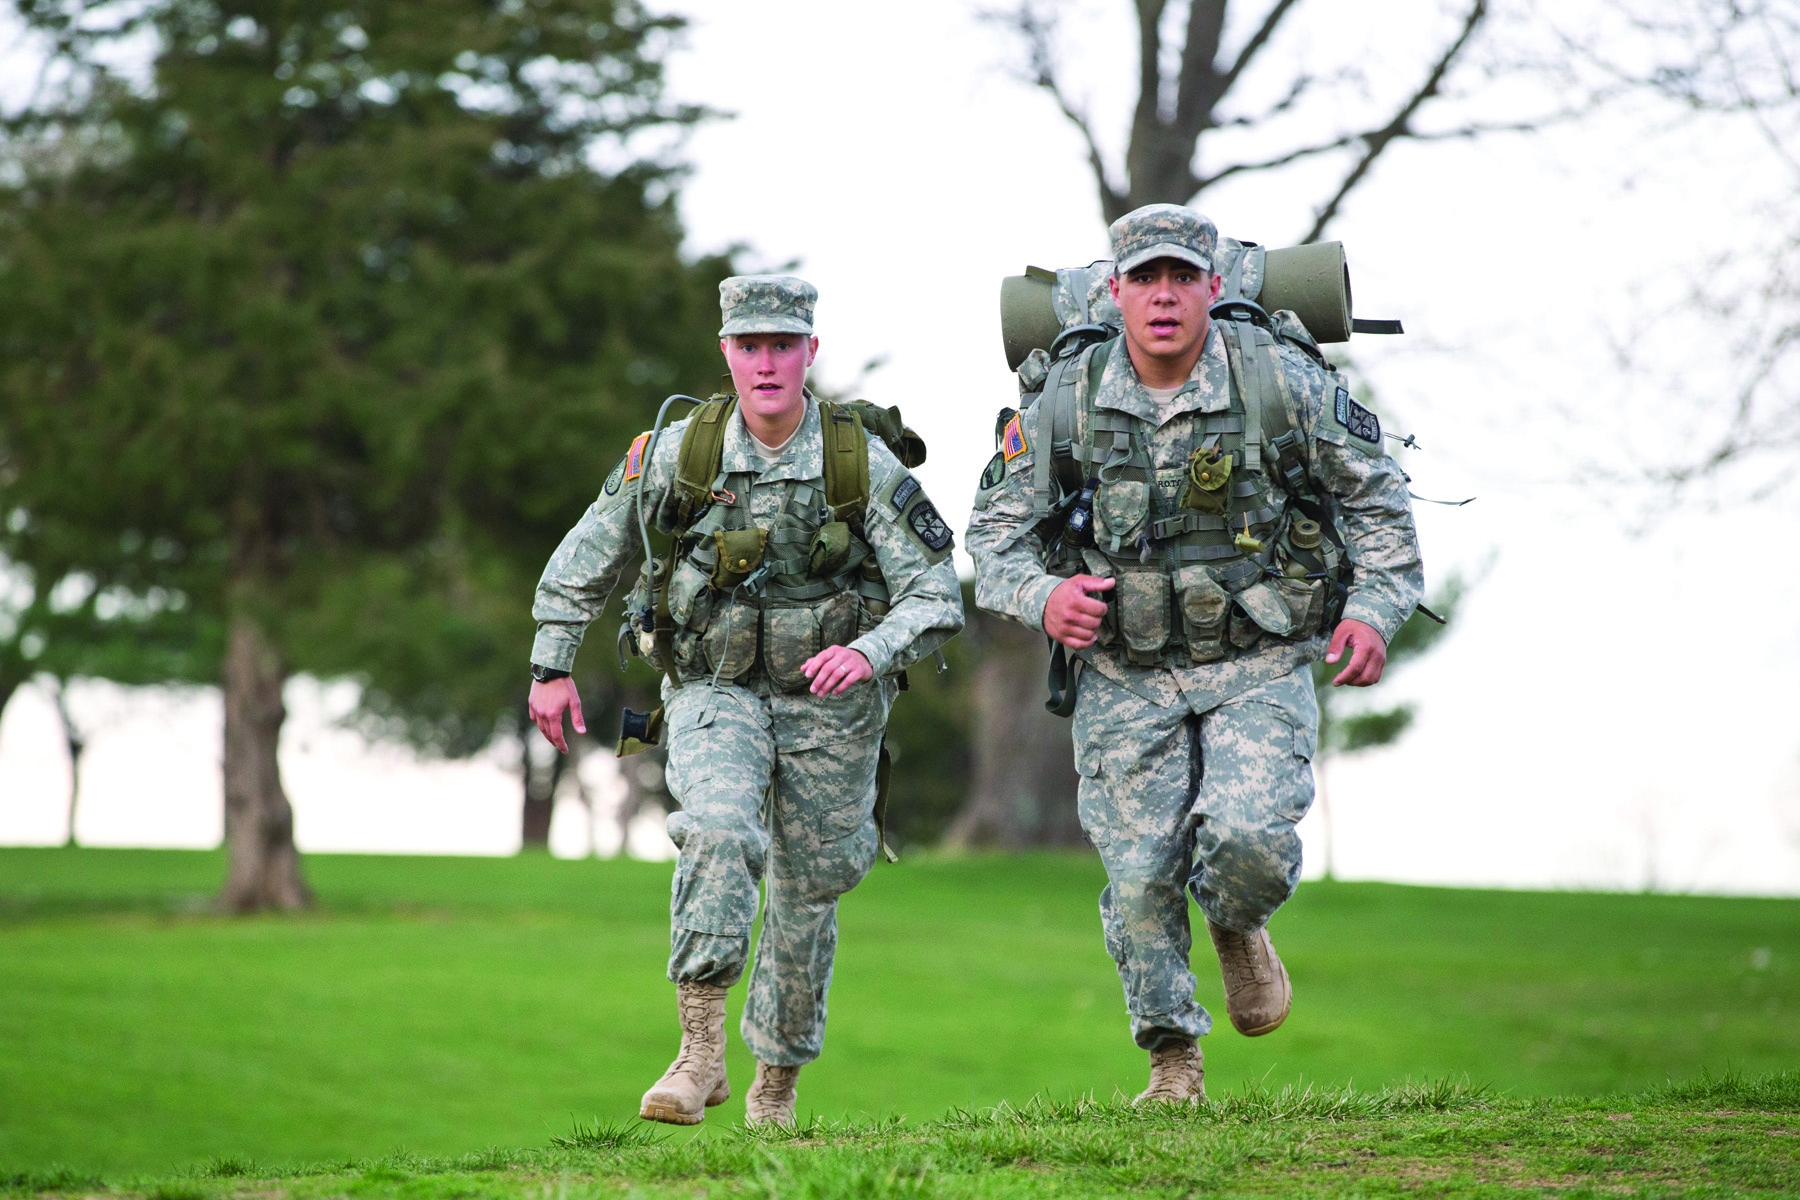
(669, 1114)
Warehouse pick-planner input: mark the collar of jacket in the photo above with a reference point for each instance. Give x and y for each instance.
(802, 458)
(1207, 390)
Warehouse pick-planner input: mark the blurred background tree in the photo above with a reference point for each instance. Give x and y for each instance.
(331, 325)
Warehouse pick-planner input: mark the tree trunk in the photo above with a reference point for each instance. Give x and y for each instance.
(1023, 792)
(259, 822)
(540, 771)
(75, 743)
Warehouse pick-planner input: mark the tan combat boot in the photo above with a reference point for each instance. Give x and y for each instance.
(1177, 1074)
(1257, 992)
(695, 1081)
(771, 1097)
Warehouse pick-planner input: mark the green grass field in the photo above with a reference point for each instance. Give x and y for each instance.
(438, 1007)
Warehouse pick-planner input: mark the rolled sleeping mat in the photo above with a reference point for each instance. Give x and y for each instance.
(1313, 282)
(1027, 314)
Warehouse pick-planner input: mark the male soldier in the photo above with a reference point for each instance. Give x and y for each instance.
(1197, 602)
(791, 626)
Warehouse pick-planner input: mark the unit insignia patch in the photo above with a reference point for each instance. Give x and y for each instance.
(929, 526)
(996, 471)
(909, 487)
(1358, 420)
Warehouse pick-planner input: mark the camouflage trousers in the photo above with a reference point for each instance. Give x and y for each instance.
(779, 786)
(1179, 800)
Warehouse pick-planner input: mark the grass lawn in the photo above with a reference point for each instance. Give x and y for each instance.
(438, 1007)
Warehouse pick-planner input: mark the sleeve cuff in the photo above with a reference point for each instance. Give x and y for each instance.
(1033, 598)
(1383, 617)
(553, 651)
(879, 659)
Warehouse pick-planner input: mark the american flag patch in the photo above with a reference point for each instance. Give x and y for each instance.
(1012, 439)
(634, 457)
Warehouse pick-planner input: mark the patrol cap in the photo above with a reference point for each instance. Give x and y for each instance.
(766, 304)
(1162, 231)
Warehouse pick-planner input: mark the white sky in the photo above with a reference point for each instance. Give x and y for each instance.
(1611, 710)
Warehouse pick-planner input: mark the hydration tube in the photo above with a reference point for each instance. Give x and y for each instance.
(647, 618)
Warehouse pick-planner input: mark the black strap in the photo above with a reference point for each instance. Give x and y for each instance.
(1371, 325)
(1065, 681)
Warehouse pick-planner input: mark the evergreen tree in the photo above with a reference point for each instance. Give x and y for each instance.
(331, 318)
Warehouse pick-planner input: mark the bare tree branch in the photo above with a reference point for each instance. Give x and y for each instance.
(1377, 141)
(1257, 41)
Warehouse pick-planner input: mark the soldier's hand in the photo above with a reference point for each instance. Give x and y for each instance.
(1072, 614)
(836, 669)
(548, 703)
(1368, 653)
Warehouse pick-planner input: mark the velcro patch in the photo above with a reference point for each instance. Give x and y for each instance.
(1012, 438)
(996, 471)
(929, 526)
(1358, 420)
(634, 457)
(909, 487)
(616, 478)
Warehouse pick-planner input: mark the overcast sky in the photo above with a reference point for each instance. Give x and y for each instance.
(1612, 709)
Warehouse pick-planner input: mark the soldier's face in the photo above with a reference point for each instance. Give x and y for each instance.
(769, 369)
(1165, 303)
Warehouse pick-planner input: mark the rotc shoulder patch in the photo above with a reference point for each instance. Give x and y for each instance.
(634, 457)
(930, 528)
(1012, 438)
(903, 494)
(1358, 420)
(616, 478)
(996, 471)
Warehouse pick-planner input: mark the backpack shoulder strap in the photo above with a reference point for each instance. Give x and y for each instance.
(846, 466)
(1061, 422)
(697, 464)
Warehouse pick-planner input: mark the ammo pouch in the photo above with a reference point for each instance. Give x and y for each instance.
(1141, 600)
(740, 552)
(829, 551)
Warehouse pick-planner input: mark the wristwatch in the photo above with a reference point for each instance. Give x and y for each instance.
(546, 674)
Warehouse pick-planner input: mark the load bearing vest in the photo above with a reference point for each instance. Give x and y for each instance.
(733, 598)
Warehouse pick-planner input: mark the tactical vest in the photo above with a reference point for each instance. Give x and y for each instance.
(744, 601)
(1211, 557)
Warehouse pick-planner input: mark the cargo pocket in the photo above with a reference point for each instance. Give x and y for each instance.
(1143, 603)
(843, 820)
(790, 638)
(1120, 513)
(1204, 607)
(729, 644)
(1089, 802)
(1262, 602)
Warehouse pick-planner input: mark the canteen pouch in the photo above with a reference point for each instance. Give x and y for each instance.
(728, 647)
(1143, 607)
(1204, 608)
(740, 552)
(790, 637)
(830, 549)
(1257, 610)
(1206, 489)
(1120, 512)
(1305, 600)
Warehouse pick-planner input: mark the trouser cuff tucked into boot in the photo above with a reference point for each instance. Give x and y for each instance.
(1257, 992)
(1177, 1074)
(771, 1097)
(695, 1081)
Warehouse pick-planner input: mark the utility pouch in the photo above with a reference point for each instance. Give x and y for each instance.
(840, 619)
(1304, 582)
(639, 731)
(690, 602)
(1207, 477)
(1121, 510)
(1204, 608)
(1268, 613)
(830, 550)
(790, 637)
(740, 552)
(728, 647)
(1143, 605)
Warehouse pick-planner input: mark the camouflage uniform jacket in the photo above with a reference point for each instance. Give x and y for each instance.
(1373, 515)
(925, 597)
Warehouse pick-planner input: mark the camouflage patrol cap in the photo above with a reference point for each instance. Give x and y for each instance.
(766, 304)
(1162, 231)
